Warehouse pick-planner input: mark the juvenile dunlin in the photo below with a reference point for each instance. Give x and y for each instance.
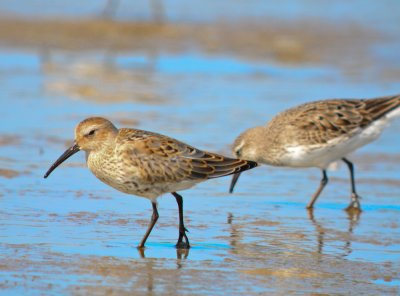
(147, 164)
(316, 134)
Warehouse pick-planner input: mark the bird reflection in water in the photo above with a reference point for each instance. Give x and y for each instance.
(353, 218)
(323, 234)
(180, 253)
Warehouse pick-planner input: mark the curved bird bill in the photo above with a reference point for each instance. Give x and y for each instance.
(235, 178)
(67, 154)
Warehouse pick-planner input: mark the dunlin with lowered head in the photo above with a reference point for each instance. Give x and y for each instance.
(316, 134)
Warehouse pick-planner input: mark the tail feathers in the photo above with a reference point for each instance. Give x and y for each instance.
(218, 168)
(238, 167)
(379, 107)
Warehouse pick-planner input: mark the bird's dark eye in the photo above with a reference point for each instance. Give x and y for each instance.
(238, 152)
(91, 133)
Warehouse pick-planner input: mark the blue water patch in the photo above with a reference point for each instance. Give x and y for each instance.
(18, 60)
(388, 282)
(128, 249)
(374, 253)
(221, 65)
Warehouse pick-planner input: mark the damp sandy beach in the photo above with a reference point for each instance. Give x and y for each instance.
(202, 74)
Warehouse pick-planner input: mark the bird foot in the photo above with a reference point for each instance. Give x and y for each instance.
(180, 244)
(354, 205)
(141, 251)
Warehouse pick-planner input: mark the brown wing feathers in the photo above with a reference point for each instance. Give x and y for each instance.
(210, 165)
(180, 160)
(376, 108)
(325, 120)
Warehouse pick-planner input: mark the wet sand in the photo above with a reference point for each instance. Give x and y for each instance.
(292, 42)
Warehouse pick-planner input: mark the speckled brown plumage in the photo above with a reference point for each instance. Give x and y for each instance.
(316, 134)
(147, 164)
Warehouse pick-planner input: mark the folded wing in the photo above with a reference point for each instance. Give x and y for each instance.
(163, 159)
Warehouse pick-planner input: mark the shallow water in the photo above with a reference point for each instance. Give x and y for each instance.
(71, 234)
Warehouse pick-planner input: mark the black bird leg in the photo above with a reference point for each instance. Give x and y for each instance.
(182, 229)
(355, 198)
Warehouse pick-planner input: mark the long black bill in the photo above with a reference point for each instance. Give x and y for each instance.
(69, 152)
(233, 182)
